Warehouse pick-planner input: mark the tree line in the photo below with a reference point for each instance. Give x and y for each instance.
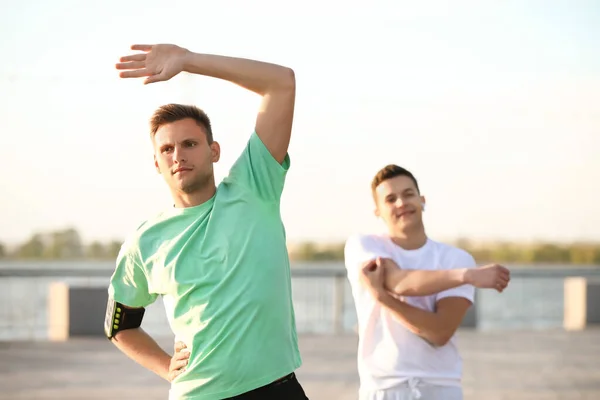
(60, 245)
(501, 252)
(67, 244)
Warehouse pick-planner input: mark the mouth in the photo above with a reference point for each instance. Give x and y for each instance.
(404, 214)
(180, 170)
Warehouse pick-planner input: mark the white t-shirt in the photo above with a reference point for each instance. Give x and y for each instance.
(388, 353)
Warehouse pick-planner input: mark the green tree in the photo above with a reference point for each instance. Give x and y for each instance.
(64, 244)
(551, 253)
(583, 254)
(96, 250)
(33, 248)
(112, 249)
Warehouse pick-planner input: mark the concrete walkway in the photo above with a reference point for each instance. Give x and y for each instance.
(540, 365)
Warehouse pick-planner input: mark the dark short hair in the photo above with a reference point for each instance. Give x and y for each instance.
(176, 112)
(391, 171)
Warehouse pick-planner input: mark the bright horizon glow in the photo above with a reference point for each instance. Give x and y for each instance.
(494, 108)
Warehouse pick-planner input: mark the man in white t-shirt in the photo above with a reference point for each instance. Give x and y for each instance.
(411, 294)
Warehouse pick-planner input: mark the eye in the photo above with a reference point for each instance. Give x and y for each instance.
(166, 149)
(189, 143)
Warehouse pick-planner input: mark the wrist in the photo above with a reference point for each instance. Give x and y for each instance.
(466, 275)
(380, 294)
(191, 60)
(164, 366)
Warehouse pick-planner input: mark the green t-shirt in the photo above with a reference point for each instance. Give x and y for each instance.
(222, 268)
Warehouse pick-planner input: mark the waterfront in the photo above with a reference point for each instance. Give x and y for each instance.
(534, 299)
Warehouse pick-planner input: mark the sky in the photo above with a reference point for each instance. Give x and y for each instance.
(494, 106)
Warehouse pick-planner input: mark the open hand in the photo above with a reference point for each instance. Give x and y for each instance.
(158, 62)
(491, 276)
(179, 361)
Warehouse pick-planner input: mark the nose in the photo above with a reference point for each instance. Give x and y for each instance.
(178, 155)
(399, 202)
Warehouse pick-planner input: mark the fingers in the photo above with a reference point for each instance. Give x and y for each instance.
(501, 284)
(179, 360)
(175, 373)
(179, 346)
(138, 73)
(179, 364)
(370, 266)
(503, 275)
(131, 65)
(133, 57)
(142, 47)
(181, 355)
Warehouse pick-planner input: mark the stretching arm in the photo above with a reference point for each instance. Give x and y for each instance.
(421, 282)
(276, 84)
(405, 282)
(435, 327)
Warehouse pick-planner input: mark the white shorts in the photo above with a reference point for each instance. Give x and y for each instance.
(413, 391)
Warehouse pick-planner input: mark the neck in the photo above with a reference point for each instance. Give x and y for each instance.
(410, 240)
(202, 195)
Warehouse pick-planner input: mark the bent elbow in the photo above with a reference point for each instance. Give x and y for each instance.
(398, 290)
(442, 339)
(288, 80)
(402, 289)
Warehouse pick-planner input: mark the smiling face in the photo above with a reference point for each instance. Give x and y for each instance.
(398, 201)
(184, 157)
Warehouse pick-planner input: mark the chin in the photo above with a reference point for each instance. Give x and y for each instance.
(405, 226)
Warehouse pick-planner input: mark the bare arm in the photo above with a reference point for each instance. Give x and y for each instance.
(424, 282)
(141, 348)
(435, 327)
(276, 84)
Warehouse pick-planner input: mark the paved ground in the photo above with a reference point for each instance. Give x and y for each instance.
(502, 365)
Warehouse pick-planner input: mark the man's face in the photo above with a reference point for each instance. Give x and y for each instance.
(183, 156)
(399, 204)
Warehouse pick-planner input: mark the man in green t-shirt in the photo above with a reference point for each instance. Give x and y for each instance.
(218, 257)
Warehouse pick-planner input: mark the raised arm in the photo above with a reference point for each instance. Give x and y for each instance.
(276, 84)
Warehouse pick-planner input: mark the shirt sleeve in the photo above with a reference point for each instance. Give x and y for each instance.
(128, 283)
(258, 171)
(358, 250)
(462, 260)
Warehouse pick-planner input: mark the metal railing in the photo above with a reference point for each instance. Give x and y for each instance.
(322, 299)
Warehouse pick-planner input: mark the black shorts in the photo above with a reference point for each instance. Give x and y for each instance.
(286, 388)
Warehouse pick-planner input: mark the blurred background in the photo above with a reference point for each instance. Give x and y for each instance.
(494, 106)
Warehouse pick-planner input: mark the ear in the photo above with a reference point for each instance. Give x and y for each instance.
(215, 150)
(376, 212)
(423, 202)
(156, 164)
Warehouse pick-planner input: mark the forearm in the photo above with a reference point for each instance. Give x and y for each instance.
(423, 283)
(256, 76)
(144, 350)
(429, 325)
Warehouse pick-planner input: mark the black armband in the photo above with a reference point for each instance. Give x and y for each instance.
(119, 318)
